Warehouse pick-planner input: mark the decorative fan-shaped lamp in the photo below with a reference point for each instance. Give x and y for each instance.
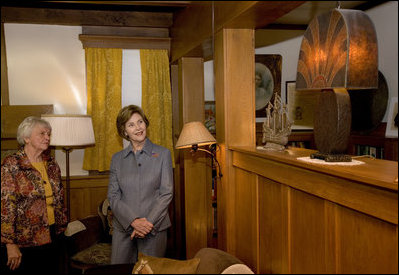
(338, 53)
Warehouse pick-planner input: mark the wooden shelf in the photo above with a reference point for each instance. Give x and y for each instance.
(375, 138)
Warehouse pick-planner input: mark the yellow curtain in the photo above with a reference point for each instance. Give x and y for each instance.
(104, 82)
(157, 96)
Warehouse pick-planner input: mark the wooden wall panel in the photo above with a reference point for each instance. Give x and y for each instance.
(322, 237)
(13, 115)
(197, 182)
(343, 188)
(246, 207)
(196, 204)
(307, 229)
(177, 217)
(273, 218)
(312, 230)
(87, 192)
(330, 236)
(366, 244)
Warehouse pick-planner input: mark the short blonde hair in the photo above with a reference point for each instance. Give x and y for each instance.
(124, 115)
(26, 127)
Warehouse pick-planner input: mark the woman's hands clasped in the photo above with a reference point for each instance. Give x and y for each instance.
(141, 227)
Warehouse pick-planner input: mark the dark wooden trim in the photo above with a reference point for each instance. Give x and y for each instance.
(5, 98)
(86, 17)
(106, 41)
(9, 144)
(286, 27)
(13, 115)
(126, 31)
(368, 5)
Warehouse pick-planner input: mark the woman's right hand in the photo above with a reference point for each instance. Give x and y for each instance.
(14, 256)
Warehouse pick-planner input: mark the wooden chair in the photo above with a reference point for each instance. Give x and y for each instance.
(88, 240)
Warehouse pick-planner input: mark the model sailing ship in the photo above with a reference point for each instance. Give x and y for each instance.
(277, 126)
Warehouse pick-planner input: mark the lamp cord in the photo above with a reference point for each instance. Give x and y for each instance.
(213, 158)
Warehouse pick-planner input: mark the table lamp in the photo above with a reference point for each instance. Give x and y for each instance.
(338, 53)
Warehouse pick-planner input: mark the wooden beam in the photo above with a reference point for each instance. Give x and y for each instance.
(172, 4)
(197, 185)
(107, 41)
(86, 17)
(267, 37)
(193, 25)
(126, 31)
(235, 118)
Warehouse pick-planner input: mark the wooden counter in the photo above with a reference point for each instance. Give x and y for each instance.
(376, 172)
(292, 216)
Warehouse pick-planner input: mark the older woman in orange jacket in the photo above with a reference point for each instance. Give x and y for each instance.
(32, 203)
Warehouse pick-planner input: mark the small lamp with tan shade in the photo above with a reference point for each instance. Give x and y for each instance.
(195, 135)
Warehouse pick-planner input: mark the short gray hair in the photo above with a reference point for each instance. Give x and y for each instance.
(26, 127)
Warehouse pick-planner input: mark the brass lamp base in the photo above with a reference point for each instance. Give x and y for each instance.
(331, 157)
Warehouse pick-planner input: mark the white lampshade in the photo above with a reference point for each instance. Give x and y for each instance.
(70, 130)
(194, 133)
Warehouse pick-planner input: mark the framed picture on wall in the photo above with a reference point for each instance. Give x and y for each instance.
(392, 124)
(267, 81)
(301, 105)
(210, 116)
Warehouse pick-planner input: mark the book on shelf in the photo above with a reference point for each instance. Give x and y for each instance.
(300, 144)
(362, 150)
(373, 151)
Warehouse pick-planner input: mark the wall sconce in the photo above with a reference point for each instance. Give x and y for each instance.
(338, 53)
(70, 132)
(193, 135)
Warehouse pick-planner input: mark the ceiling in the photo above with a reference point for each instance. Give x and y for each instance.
(304, 13)
(288, 26)
(294, 23)
(300, 16)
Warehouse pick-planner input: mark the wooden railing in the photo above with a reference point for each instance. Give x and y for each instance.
(296, 217)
